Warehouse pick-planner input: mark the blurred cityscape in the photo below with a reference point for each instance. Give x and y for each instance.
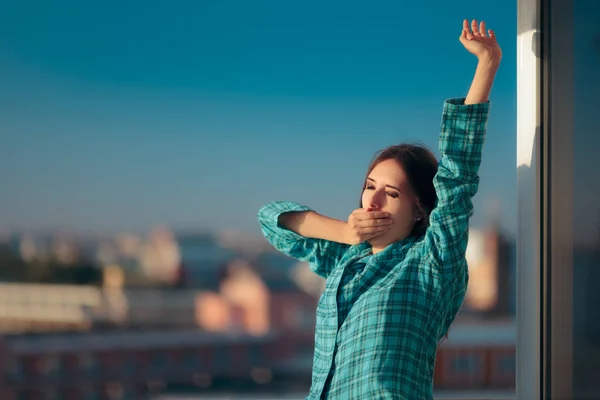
(129, 114)
(134, 316)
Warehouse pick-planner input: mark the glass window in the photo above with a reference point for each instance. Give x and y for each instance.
(572, 320)
(586, 199)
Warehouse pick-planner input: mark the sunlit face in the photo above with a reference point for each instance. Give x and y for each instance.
(388, 189)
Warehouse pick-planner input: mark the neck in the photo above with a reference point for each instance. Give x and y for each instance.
(378, 245)
(377, 249)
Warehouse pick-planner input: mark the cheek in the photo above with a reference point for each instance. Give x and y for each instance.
(365, 198)
(402, 212)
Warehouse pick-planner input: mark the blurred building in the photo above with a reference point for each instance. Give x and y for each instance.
(491, 261)
(128, 365)
(234, 318)
(251, 300)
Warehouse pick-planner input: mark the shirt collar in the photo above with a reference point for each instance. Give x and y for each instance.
(394, 250)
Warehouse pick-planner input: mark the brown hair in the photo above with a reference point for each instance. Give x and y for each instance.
(420, 166)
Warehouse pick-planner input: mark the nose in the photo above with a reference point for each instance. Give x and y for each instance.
(378, 199)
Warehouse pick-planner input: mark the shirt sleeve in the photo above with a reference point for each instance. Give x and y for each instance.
(322, 255)
(462, 135)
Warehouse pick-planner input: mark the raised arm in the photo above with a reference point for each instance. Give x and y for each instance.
(463, 130)
(484, 46)
(321, 254)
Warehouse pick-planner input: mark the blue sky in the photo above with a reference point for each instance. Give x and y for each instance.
(124, 115)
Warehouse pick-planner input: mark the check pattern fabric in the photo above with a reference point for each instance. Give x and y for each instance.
(381, 316)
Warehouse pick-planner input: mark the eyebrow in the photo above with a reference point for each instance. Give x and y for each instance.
(390, 186)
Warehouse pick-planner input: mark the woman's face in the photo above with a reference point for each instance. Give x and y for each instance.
(388, 189)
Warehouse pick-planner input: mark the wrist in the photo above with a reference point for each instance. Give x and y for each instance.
(345, 233)
(489, 61)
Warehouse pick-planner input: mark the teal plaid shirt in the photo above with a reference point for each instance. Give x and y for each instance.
(381, 316)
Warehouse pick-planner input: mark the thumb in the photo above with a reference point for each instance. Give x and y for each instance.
(464, 36)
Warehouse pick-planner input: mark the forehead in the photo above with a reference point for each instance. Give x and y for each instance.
(389, 172)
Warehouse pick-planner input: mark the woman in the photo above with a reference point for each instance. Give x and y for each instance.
(396, 270)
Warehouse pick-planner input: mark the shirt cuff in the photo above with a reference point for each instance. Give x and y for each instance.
(269, 216)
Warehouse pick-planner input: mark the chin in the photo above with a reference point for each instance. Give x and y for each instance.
(384, 240)
(380, 241)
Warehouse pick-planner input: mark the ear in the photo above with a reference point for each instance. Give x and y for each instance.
(418, 212)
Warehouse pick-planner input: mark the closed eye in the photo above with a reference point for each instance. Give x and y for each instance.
(371, 181)
(393, 195)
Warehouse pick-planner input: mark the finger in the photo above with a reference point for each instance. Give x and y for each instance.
(465, 25)
(475, 28)
(374, 222)
(367, 234)
(373, 229)
(371, 209)
(374, 216)
(370, 226)
(482, 30)
(468, 34)
(360, 211)
(378, 214)
(492, 34)
(367, 215)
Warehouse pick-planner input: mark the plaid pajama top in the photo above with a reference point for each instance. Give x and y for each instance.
(381, 316)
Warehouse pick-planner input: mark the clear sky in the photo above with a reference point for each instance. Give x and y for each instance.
(192, 114)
